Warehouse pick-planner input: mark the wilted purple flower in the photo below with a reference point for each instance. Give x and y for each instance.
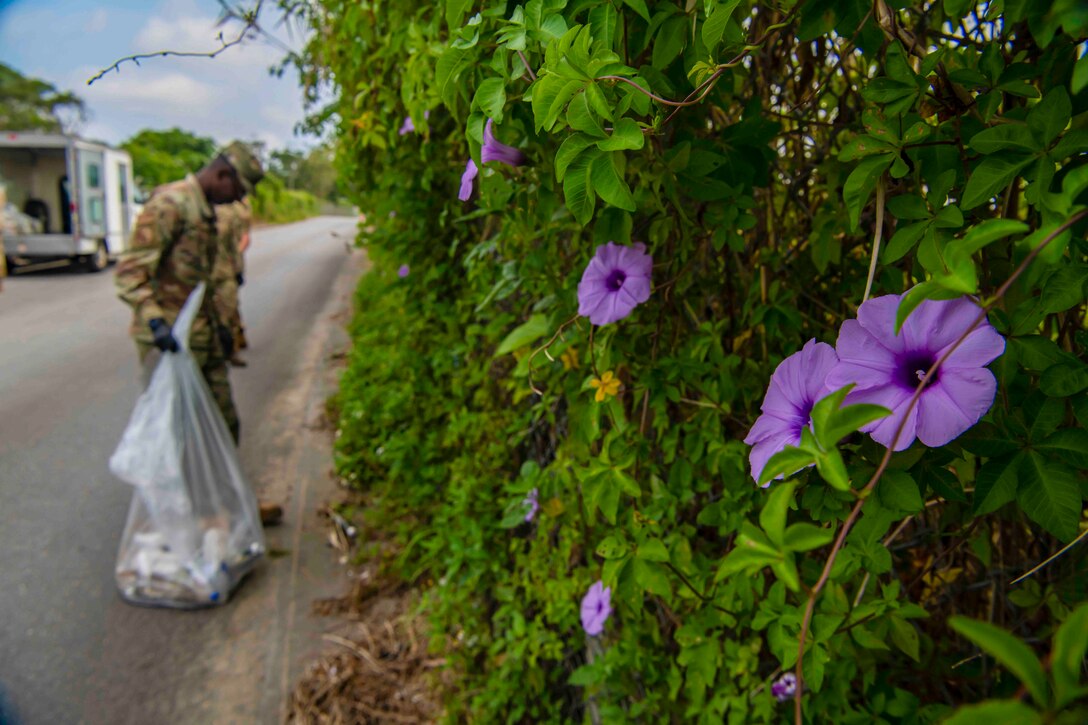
(784, 687)
(408, 127)
(531, 504)
(403, 271)
(466, 180)
(887, 368)
(616, 280)
(796, 385)
(596, 608)
(493, 150)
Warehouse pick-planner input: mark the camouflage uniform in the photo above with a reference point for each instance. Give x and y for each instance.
(173, 249)
(232, 222)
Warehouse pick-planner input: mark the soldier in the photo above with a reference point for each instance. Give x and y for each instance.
(173, 249)
(232, 226)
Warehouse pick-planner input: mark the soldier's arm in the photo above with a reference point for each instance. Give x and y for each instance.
(156, 230)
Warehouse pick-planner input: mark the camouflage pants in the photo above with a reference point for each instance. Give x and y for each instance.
(215, 371)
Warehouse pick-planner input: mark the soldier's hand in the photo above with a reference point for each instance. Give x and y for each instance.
(164, 336)
(226, 340)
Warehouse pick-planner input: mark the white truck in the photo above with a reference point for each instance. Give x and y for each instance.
(81, 192)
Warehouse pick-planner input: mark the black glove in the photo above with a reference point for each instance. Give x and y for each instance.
(164, 336)
(240, 279)
(226, 340)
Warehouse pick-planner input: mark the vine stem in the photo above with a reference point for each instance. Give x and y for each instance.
(877, 234)
(544, 349)
(249, 18)
(863, 495)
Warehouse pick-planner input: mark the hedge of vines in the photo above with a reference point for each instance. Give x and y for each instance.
(613, 241)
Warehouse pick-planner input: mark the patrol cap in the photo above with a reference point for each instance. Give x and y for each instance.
(245, 164)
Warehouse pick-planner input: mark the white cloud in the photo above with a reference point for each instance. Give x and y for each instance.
(154, 92)
(97, 22)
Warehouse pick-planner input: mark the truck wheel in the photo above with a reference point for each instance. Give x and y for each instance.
(100, 259)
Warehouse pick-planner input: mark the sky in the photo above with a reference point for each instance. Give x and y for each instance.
(65, 42)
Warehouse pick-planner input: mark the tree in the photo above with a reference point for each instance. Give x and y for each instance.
(159, 157)
(31, 104)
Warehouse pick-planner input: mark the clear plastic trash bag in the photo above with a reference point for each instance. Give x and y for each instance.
(194, 527)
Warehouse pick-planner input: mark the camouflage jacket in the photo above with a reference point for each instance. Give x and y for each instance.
(232, 222)
(173, 248)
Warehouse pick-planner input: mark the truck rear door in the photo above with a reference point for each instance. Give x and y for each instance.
(91, 195)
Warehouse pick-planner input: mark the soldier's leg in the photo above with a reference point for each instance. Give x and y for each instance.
(148, 355)
(215, 371)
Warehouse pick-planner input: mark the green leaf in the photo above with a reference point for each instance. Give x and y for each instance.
(447, 71)
(773, 516)
(861, 182)
(582, 118)
(919, 293)
(551, 94)
(491, 98)
(806, 537)
(988, 232)
(1051, 115)
(904, 636)
(625, 135)
(865, 145)
(997, 712)
(1050, 495)
(652, 577)
(1008, 136)
(991, 176)
(908, 206)
(608, 184)
(529, 331)
(577, 190)
(639, 6)
(995, 484)
(1009, 651)
(898, 492)
(669, 41)
(1067, 660)
(1038, 353)
(1068, 444)
(717, 19)
(832, 469)
(1064, 379)
(903, 241)
(455, 12)
(612, 548)
(836, 423)
(604, 20)
(1064, 289)
(788, 461)
(652, 550)
(571, 147)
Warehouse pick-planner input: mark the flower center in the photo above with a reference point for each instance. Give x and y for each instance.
(914, 367)
(615, 280)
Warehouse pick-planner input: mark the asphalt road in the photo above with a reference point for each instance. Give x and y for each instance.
(70, 650)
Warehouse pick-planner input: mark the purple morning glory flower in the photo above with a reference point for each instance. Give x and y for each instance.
(493, 150)
(466, 180)
(532, 505)
(616, 280)
(596, 608)
(784, 687)
(403, 271)
(887, 368)
(797, 384)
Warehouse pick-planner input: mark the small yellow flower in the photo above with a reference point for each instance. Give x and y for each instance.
(570, 358)
(606, 385)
